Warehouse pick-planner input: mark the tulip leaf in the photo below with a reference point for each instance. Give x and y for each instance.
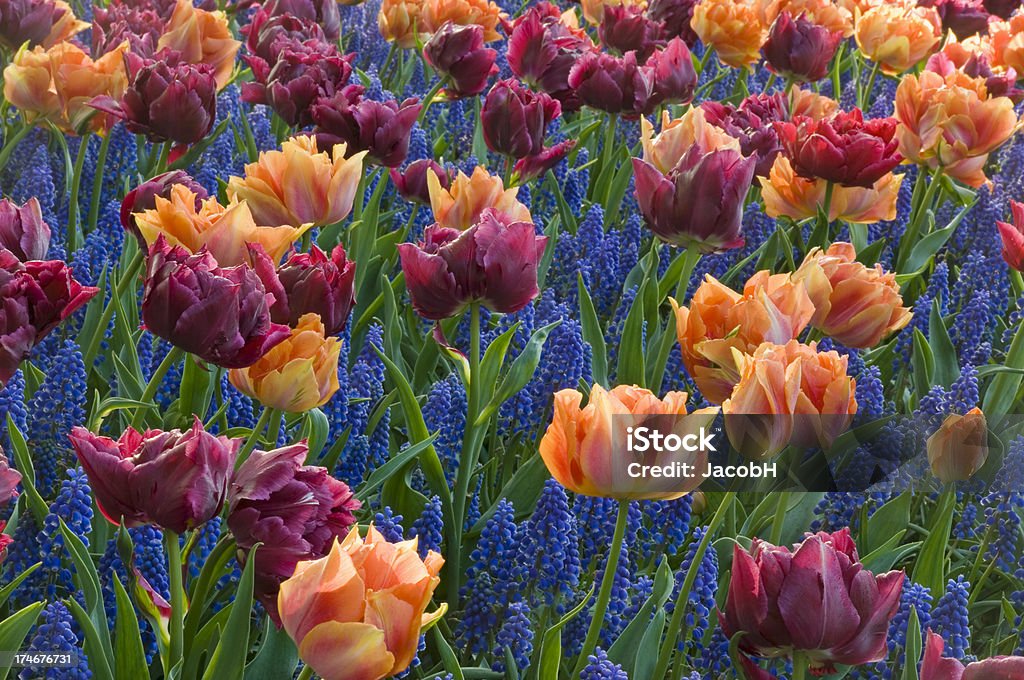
(550, 656)
(624, 650)
(88, 582)
(947, 365)
(277, 657)
(494, 359)
(5, 592)
(214, 567)
(196, 150)
(448, 658)
(316, 429)
(129, 654)
(1002, 391)
(913, 648)
(23, 461)
(522, 491)
(14, 629)
(930, 565)
(630, 368)
(923, 362)
(233, 646)
(98, 650)
(888, 521)
(647, 652)
(393, 465)
(519, 373)
(592, 334)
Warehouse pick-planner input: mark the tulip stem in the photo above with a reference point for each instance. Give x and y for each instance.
(799, 666)
(604, 596)
(864, 102)
(97, 182)
(780, 517)
(76, 184)
(254, 436)
(306, 673)
(428, 99)
(691, 258)
(173, 357)
(130, 274)
(177, 629)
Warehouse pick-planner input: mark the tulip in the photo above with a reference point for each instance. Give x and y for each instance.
(959, 448)
(357, 613)
(167, 100)
(856, 305)
(594, 10)
(37, 22)
(143, 198)
(542, 50)
(830, 15)
(299, 185)
(225, 231)
(800, 49)
(493, 262)
(733, 28)
(140, 25)
(817, 599)
(9, 480)
(626, 28)
(1003, 9)
(1006, 39)
(936, 667)
(771, 309)
(787, 195)
(267, 35)
(532, 167)
(202, 38)
(665, 149)
(1013, 237)
(380, 129)
(323, 13)
(675, 17)
(586, 450)
(221, 315)
(400, 22)
(515, 118)
(898, 35)
(312, 283)
(23, 231)
(963, 18)
(482, 13)
(956, 56)
(807, 103)
(176, 480)
(295, 511)
(463, 203)
(752, 124)
(458, 54)
(411, 183)
(607, 83)
(699, 203)
(673, 78)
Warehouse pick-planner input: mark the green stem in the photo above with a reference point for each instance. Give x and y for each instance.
(161, 161)
(76, 184)
(871, 84)
(12, 142)
(306, 673)
(830, 189)
(428, 99)
(123, 283)
(799, 666)
(692, 256)
(177, 628)
(254, 436)
(173, 357)
(780, 517)
(97, 182)
(604, 596)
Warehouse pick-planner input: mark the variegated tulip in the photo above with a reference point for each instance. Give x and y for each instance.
(959, 448)
(733, 28)
(665, 149)
(461, 205)
(898, 35)
(202, 37)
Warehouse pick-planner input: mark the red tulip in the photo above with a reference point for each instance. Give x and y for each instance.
(411, 183)
(458, 54)
(673, 78)
(627, 28)
(613, 84)
(23, 231)
(936, 667)
(1013, 237)
(675, 16)
(542, 51)
(799, 48)
(515, 118)
(381, 129)
(310, 283)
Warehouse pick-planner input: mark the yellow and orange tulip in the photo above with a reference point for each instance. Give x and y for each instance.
(593, 10)
(202, 37)
(460, 205)
(898, 35)
(401, 22)
(735, 29)
(959, 448)
(663, 150)
(484, 13)
(1006, 40)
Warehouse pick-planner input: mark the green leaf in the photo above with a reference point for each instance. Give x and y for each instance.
(14, 629)
(623, 651)
(277, 657)
(5, 592)
(88, 581)
(888, 521)
(315, 430)
(448, 658)
(99, 662)
(913, 651)
(930, 565)
(393, 465)
(947, 365)
(23, 461)
(923, 362)
(228, 660)
(1002, 391)
(494, 359)
(129, 654)
(551, 643)
(593, 335)
(519, 373)
(631, 364)
(647, 652)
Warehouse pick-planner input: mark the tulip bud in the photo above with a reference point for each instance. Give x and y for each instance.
(381, 129)
(143, 198)
(959, 448)
(9, 480)
(312, 283)
(493, 262)
(1013, 237)
(514, 119)
(799, 48)
(220, 315)
(411, 183)
(458, 54)
(626, 28)
(673, 78)
(607, 83)
(37, 22)
(23, 231)
(176, 480)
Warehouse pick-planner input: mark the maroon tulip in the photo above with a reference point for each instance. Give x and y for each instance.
(494, 262)
(176, 480)
(324, 13)
(140, 25)
(799, 48)
(411, 183)
(219, 314)
(27, 21)
(9, 480)
(35, 296)
(752, 124)
(936, 667)
(296, 511)
(817, 599)
(143, 198)
(267, 35)
(673, 78)
(514, 118)
(844, 149)
(699, 204)
(1003, 9)
(531, 167)
(627, 28)
(963, 17)
(1012, 235)
(23, 231)
(613, 84)
(542, 51)
(310, 282)
(458, 54)
(381, 129)
(675, 17)
(168, 99)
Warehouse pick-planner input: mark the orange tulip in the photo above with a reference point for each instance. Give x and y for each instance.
(202, 38)
(401, 22)
(959, 448)
(809, 396)
(734, 28)
(663, 150)
(786, 194)
(593, 10)
(462, 12)
(1007, 43)
(950, 120)
(460, 205)
(28, 84)
(357, 613)
(298, 185)
(772, 308)
(586, 448)
(826, 13)
(856, 305)
(808, 103)
(224, 230)
(898, 35)
(297, 375)
(65, 27)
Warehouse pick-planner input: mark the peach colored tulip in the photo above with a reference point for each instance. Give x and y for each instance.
(462, 12)
(786, 194)
(586, 449)
(1007, 43)
(28, 84)
(807, 103)
(772, 308)
(663, 150)
(299, 185)
(593, 10)
(401, 22)
(460, 205)
(826, 13)
(202, 38)
(66, 26)
(224, 230)
(898, 35)
(959, 448)
(297, 375)
(857, 305)
(357, 613)
(950, 120)
(734, 28)
(795, 384)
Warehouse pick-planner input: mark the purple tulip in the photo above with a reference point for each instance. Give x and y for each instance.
(613, 84)
(168, 99)
(627, 28)
(673, 78)
(1003, 9)
(176, 480)
(296, 511)
(310, 282)
(411, 183)
(27, 21)
(267, 35)
(675, 17)
(534, 166)
(23, 231)
(936, 667)
(494, 262)
(458, 54)
(143, 198)
(323, 13)
(753, 124)
(140, 25)
(963, 17)
(514, 118)
(382, 129)
(699, 204)
(221, 315)
(9, 480)
(817, 599)
(542, 51)
(799, 48)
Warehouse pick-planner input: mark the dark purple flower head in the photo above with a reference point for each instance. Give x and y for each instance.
(534, 166)
(515, 118)
(296, 511)
(28, 21)
(542, 51)
(221, 315)
(23, 230)
(457, 53)
(266, 35)
(627, 28)
(799, 48)
(411, 183)
(675, 17)
(143, 198)
(963, 17)
(310, 282)
(324, 13)
(613, 84)
(672, 75)
(752, 122)
(1003, 9)
(141, 26)
(382, 129)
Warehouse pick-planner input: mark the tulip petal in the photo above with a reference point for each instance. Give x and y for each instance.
(347, 651)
